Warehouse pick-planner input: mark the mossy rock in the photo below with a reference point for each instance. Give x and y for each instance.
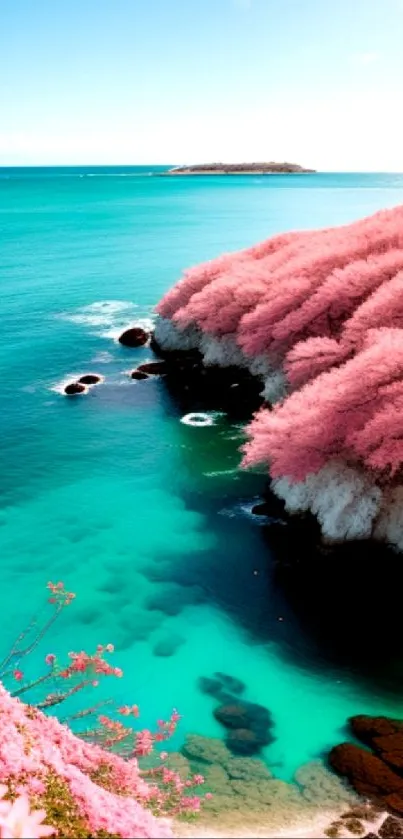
(206, 749)
(247, 769)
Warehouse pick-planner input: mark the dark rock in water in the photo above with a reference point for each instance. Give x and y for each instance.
(261, 509)
(391, 828)
(138, 374)
(210, 686)
(90, 379)
(196, 388)
(368, 775)
(168, 646)
(383, 735)
(74, 388)
(230, 683)
(154, 368)
(134, 337)
(245, 741)
(174, 355)
(243, 715)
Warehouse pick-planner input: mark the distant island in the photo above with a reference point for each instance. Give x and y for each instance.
(240, 169)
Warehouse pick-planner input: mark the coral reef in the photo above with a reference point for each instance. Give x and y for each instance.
(245, 792)
(316, 317)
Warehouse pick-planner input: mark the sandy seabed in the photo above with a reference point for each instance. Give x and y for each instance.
(264, 828)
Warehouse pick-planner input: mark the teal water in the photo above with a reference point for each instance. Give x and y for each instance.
(144, 518)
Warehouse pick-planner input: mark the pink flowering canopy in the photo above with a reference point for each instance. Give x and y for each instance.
(324, 308)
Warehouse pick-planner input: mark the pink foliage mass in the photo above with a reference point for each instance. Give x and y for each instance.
(90, 783)
(326, 309)
(35, 748)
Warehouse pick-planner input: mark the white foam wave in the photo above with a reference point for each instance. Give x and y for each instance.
(100, 313)
(116, 329)
(219, 472)
(113, 316)
(197, 419)
(104, 357)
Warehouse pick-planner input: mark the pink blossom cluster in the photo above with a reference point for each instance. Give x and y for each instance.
(325, 310)
(17, 820)
(35, 748)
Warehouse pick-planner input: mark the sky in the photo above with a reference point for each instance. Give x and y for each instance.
(314, 82)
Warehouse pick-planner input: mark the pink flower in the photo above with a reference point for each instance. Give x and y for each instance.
(124, 710)
(20, 822)
(118, 672)
(135, 710)
(208, 796)
(110, 648)
(198, 779)
(163, 755)
(50, 659)
(18, 675)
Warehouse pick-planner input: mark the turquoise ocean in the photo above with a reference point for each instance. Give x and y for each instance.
(145, 518)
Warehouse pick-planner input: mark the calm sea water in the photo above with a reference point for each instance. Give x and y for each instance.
(145, 518)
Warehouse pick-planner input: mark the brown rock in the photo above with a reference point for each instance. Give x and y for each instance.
(369, 775)
(154, 368)
(134, 337)
(74, 388)
(391, 828)
(383, 735)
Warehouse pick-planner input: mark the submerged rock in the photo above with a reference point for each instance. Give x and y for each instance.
(241, 714)
(230, 682)
(249, 726)
(168, 646)
(212, 687)
(134, 337)
(90, 379)
(74, 388)
(246, 741)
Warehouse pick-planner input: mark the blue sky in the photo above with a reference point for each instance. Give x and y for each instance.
(317, 82)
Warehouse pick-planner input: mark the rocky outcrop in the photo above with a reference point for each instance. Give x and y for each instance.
(134, 337)
(383, 735)
(376, 774)
(90, 379)
(74, 388)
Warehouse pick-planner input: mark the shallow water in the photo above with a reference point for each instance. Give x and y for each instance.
(145, 517)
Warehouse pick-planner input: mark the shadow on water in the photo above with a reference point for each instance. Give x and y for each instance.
(324, 608)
